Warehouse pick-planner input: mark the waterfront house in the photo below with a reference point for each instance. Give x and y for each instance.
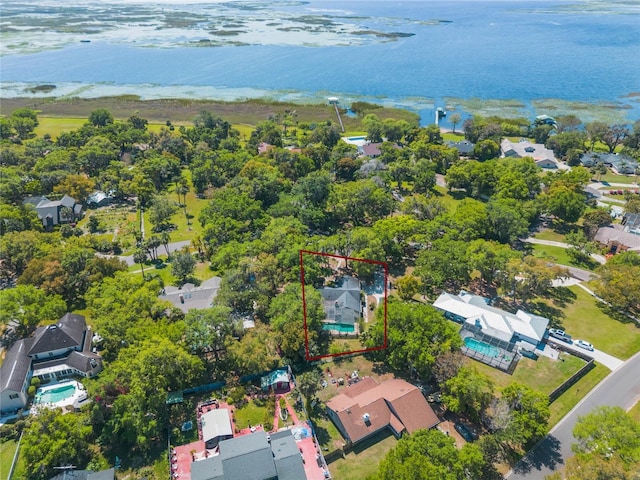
(542, 156)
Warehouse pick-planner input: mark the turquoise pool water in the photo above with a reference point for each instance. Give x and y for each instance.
(339, 327)
(54, 395)
(481, 347)
(355, 139)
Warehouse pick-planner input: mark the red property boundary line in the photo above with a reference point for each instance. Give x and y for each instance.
(304, 304)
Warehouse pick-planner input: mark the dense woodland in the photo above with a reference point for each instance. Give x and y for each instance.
(307, 190)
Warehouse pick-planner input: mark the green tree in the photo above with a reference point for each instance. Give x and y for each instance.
(52, 439)
(619, 285)
(26, 306)
(490, 259)
(100, 117)
(614, 136)
(416, 335)
(183, 265)
(430, 454)
(160, 213)
(454, 120)
(486, 150)
(607, 431)
(132, 394)
(564, 203)
(408, 286)
(78, 187)
(208, 330)
(532, 276)
(469, 392)
(309, 383)
(255, 352)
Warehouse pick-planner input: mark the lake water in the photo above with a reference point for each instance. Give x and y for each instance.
(513, 55)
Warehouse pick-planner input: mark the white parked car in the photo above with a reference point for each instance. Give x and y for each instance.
(585, 345)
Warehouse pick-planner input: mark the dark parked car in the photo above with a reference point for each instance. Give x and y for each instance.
(463, 430)
(560, 335)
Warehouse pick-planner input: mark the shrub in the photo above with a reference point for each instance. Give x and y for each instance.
(31, 391)
(35, 381)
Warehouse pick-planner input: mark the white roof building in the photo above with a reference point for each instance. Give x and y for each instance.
(509, 327)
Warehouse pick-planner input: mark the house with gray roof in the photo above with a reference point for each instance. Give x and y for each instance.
(190, 297)
(464, 147)
(542, 156)
(256, 456)
(341, 302)
(56, 212)
(620, 164)
(53, 352)
(631, 223)
(616, 239)
(109, 474)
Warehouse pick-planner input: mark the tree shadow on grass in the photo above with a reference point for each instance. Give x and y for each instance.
(617, 314)
(562, 296)
(545, 310)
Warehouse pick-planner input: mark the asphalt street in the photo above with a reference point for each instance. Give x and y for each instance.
(621, 388)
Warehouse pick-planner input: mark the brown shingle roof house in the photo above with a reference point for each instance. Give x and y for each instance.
(367, 407)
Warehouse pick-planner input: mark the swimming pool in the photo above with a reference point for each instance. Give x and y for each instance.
(484, 348)
(339, 327)
(55, 394)
(356, 139)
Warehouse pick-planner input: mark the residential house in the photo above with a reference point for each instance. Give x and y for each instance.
(56, 212)
(368, 407)
(216, 426)
(617, 239)
(342, 304)
(464, 147)
(99, 199)
(619, 164)
(256, 456)
(523, 328)
(109, 474)
(53, 352)
(372, 150)
(191, 297)
(542, 156)
(277, 380)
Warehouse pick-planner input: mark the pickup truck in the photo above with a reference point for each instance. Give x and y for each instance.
(560, 335)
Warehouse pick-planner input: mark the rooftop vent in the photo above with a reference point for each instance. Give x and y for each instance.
(366, 419)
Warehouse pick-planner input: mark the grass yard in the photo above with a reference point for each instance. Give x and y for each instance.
(549, 234)
(54, 126)
(612, 178)
(542, 375)
(250, 414)
(7, 451)
(363, 460)
(635, 412)
(571, 397)
(559, 255)
(583, 318)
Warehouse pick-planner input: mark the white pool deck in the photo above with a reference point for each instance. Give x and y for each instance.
(78, 398)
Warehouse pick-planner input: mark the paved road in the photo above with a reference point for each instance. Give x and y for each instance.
(621, 388)
(174, 246)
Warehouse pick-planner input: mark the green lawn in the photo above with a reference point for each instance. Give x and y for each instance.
(7, 451)
(635, 412)
(249, 414)
(54, 126)
(571, 397)
(583, 318)
(549, 234)
(612, 178)
(364, 459)
(542, 375)
(559, 255)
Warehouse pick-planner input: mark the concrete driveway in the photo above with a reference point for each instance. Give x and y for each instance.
(609, 361)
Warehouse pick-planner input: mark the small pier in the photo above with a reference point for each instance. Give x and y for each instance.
(334, 101)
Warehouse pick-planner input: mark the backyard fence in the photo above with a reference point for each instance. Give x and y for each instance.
(553, 396)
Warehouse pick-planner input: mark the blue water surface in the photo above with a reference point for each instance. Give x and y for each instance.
(521, 50)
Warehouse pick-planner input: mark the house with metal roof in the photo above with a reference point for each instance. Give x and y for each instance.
(368, 407)
(256, 456)
(216, 426)
(53, 352)
(278, 380)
